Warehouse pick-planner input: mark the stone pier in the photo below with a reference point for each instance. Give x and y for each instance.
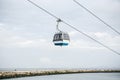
(16, 74)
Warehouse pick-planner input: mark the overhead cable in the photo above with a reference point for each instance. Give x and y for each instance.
(73, 27)
(97, 17)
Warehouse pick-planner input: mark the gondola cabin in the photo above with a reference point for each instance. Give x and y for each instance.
(61, 39)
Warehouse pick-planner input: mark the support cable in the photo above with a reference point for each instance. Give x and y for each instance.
(73, 27)
(97, 17)
(43, 9)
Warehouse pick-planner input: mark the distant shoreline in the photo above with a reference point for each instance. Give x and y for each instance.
(17, 74)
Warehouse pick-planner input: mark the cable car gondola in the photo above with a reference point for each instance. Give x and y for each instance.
(61, 38)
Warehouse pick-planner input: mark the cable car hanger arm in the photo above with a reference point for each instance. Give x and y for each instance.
(57, 26)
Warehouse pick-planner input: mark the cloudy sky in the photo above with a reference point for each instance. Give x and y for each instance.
(26, 34)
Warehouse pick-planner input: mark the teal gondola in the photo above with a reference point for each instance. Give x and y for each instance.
(61, 38)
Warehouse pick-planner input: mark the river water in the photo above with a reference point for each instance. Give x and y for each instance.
(79, 76)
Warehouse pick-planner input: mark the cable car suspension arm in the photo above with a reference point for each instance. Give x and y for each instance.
(58, 21)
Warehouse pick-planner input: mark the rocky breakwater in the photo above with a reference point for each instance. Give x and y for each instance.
(16, 74)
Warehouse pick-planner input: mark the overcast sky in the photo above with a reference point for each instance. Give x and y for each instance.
(26, 34)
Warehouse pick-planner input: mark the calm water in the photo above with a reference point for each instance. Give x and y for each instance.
(80, 76)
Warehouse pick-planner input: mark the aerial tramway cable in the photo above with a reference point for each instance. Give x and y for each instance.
(97, 17)
(73, 27)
